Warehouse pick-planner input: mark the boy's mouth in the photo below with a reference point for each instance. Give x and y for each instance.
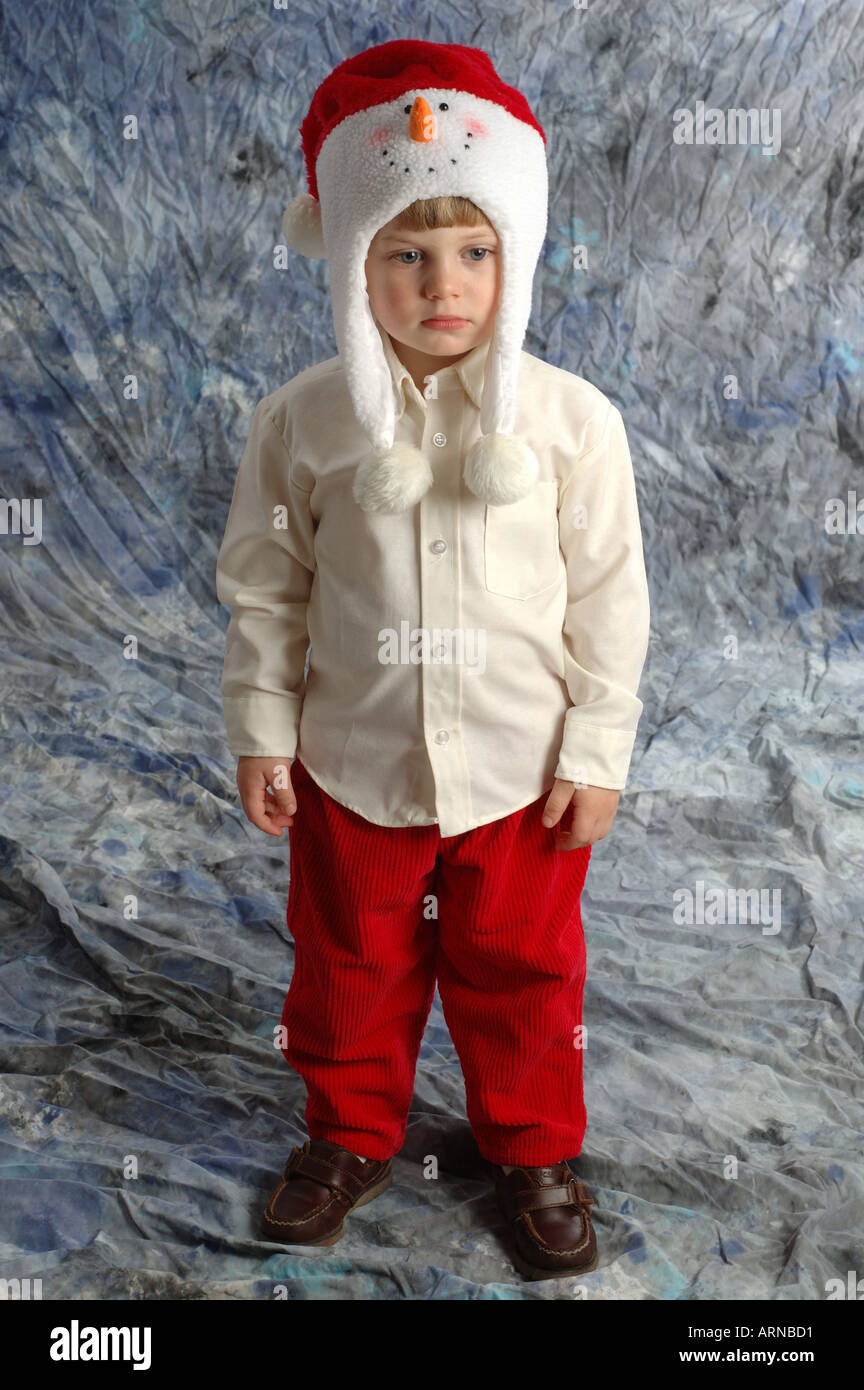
(444, 323)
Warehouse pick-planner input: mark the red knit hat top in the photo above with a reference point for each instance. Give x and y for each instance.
(383, 73)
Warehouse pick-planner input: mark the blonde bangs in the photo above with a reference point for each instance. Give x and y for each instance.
(427, 214)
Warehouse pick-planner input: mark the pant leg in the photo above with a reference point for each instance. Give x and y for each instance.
(511, 975)
(364, 968)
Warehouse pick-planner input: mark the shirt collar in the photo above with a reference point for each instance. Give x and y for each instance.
(469, 371)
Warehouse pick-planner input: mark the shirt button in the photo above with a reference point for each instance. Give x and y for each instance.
(442, 736)
(438, 546)
(439, 440)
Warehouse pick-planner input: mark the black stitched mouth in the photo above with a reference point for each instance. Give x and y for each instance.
(407, 169)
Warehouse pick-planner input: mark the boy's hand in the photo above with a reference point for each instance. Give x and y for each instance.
(269, 810)
(594, 810)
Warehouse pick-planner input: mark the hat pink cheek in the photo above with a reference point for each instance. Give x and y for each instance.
(476, 127)
(381, 136)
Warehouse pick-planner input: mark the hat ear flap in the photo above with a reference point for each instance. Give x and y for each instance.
(301, 226)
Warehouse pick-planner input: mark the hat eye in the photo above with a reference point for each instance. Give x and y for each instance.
(443, 106)
(407, 110)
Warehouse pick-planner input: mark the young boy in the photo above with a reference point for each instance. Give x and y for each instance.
(452, 523)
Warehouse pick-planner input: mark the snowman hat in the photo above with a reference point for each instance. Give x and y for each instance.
(406, 120)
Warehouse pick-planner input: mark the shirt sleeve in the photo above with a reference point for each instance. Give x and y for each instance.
(265, 570)
(607, 619)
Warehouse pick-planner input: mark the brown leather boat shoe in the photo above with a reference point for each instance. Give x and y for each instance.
(321, 1185)
(548, 1210)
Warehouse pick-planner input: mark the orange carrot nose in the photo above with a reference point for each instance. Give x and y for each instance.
(421, 123)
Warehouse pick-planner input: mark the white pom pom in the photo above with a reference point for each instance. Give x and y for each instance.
(392, 482)
(301, 226)
(500, 468)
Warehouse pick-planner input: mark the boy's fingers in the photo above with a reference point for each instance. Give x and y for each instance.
(555, 807)
(285, 799)
(256, 800)
(254, 809)
(281, 811)
(574, 838)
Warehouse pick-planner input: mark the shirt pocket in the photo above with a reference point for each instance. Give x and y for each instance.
(521, 547)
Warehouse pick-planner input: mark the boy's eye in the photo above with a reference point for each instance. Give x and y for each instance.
(484, 252)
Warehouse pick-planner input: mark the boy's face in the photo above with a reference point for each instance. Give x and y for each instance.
(416, 278)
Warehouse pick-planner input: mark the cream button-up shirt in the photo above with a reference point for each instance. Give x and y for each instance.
(462, 656)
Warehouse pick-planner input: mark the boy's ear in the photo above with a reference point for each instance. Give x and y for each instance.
(301, 226)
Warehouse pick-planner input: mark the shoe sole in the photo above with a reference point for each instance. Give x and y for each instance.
(282, 1239)
(531, 1272)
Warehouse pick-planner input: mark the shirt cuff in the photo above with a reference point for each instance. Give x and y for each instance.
(263, 725)
(594, 756)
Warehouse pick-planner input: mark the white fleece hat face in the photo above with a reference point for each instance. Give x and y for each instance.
(426, 142)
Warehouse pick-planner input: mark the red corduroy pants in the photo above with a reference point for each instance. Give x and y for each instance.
(506, 947)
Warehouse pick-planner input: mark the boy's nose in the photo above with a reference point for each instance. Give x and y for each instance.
(421, 122)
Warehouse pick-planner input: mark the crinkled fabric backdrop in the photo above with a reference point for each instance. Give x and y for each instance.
(151, 1036)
